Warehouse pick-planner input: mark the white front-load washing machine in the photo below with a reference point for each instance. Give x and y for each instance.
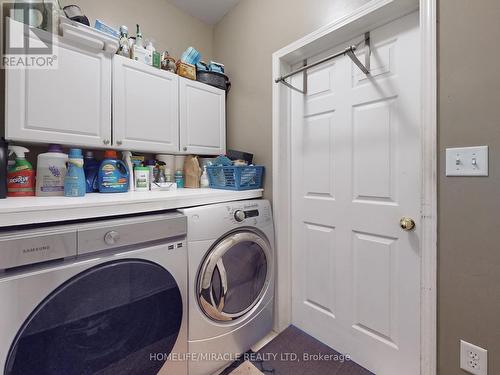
(99, 297)
(231, 281)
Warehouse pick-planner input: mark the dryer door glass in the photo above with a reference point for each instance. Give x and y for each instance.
(109, 319)
(234, 276)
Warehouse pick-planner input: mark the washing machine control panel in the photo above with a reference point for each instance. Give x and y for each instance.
(252, 214)
(240, 215)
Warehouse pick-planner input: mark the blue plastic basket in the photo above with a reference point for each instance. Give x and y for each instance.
(235, 177)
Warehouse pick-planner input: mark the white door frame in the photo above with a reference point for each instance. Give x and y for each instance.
(373, 14)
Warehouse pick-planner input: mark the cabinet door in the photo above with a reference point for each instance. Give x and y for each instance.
(202, 118)
(145, 107)
(70, 104)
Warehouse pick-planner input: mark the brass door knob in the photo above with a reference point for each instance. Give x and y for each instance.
(407, 223)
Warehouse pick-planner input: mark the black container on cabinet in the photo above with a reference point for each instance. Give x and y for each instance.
(215, 79)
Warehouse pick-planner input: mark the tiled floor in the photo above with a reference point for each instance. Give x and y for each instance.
(272, 358)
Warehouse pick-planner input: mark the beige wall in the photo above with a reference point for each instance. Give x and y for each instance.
(469, 114)
(244, 41)
(469, 208)
(170, 28)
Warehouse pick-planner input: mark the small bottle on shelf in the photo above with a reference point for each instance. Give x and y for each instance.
(179, 178)
(74, 181)
(124, 49)
(204, 182)
(138, 37)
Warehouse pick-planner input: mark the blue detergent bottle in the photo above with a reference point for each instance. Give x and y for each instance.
(113, 174)
(91, 169)
(74, 182)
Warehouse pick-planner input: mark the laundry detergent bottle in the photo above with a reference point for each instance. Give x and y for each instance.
(50, 172)
(91, 169)
(113, 174)
(127, 159)
(20, 175)
(74, 181)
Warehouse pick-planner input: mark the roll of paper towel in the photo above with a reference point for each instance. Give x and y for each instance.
(179, 162)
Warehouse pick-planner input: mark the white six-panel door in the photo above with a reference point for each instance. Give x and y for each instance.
(356, 154)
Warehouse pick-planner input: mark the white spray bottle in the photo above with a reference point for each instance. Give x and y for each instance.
(204, 181)
(127, 159)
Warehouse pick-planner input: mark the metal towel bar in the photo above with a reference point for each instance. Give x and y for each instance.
(349, 51)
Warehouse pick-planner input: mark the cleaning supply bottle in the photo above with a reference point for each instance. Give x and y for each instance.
(4, 161)
(127, 159)
(179, 179)
(91, 169)
(204, 182)
(141, 178)
(74, 181)
(149, 46)
(51, 170)
(138, 37)
(124, 49)
(113, 174)
(20, 176)
(151, 164)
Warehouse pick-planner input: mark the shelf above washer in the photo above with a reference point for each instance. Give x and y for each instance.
(35, 210)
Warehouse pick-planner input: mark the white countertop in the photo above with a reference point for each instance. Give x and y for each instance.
(33, 210)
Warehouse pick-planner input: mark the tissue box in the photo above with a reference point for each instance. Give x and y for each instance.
(163, 186)
(143, 55)
(191, 56)
(101, 26)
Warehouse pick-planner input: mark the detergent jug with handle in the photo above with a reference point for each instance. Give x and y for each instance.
(50, 172)
(91, 169)
(113, 174)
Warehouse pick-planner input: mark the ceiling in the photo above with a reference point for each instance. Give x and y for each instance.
(208, 11)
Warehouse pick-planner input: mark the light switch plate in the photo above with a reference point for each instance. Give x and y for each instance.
(467, 161)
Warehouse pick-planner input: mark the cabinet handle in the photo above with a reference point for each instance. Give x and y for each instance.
(119, 143)
(106, 141)
(185, 148)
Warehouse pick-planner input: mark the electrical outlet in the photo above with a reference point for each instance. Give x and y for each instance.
(473, 359)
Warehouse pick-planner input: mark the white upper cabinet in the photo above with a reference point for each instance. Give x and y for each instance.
(145, 107)
(202, 118)
(96, 99)
(70, 104)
